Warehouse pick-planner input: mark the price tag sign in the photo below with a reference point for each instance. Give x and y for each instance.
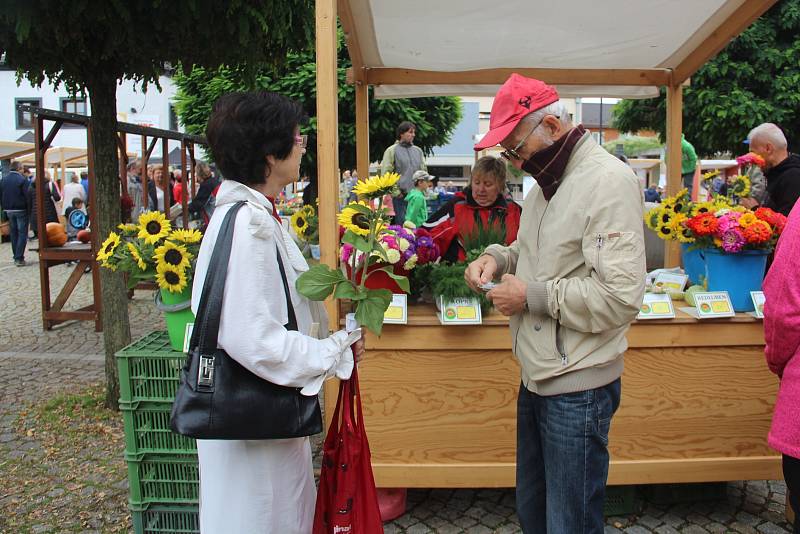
(656, 306)
(397, 312)
(460, 311)
(187, 336)
(758, 302)
(710, 305)
(674, 281)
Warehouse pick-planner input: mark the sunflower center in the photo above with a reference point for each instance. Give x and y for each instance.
(360, 220)
(173, 257)
(172, 278)
(109, 247)
(153, 228)
(301, 222)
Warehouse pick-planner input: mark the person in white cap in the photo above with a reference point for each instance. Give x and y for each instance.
(572, 283)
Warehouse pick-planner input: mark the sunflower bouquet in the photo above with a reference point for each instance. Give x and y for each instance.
(718, 223)
(152, 250)
(305, 222)
(366, 231)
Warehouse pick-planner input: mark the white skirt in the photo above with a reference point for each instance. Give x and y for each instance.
(256, 486)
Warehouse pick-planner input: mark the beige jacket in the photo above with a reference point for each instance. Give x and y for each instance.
(582, 256)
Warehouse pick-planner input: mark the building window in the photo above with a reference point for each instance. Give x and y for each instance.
(75, 105)
(25, 118)
(173, 119)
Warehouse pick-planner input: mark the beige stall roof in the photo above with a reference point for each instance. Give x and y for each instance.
(620, 48)
(15, 149)
(56, 154)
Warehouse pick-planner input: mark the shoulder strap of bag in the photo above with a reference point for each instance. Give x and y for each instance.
(206, 328)
(292, 324)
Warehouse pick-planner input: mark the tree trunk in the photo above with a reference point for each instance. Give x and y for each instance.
(116, 323)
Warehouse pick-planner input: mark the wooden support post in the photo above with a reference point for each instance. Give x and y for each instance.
(96, 239)
(186, 186)
(145, 177)
(44, 274)
(672, 255)
(165, 171)
(362, 129)
(327, 138)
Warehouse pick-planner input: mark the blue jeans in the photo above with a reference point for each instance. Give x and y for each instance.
(399, 204)
(18, 226)
(562, 459)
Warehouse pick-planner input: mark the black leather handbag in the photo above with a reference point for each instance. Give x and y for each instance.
(218, 398)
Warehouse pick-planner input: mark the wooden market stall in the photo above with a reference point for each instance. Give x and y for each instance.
(440, 402)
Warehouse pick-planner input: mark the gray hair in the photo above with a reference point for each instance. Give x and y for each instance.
(16, 166)
(768, 133)
(556, 108)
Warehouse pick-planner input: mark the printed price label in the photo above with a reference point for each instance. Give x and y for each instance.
(460, 311)
(397, 312)
(656, 306)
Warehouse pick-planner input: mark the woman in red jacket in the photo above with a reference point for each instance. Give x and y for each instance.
(482, 209)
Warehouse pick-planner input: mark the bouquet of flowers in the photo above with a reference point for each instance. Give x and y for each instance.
(366, 232)
(305, 223)
(404, 247)
(152, 250)
(718, 223)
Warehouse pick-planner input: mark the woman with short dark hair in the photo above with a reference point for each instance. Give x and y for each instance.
(258, 486)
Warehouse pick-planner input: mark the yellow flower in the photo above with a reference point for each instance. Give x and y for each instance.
(137, 257)
(153, 226)
(747, 219)
(108, 265)
(186, 236)
(128, 229)
(740, 186)
(377, 186)
(171, 278)
(665, 216)
(702, 207)
(354, 220)
(108, 247)
(173, 255)
(300, 222)
(665, 231)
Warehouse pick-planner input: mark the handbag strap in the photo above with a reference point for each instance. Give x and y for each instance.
(206, 329)
(292, 324)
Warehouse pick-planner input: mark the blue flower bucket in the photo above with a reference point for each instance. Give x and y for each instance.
(738, 274)
(693, 263)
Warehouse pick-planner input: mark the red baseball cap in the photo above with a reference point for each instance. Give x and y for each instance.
(518, 97)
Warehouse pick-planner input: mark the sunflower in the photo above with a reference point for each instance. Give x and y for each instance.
(173, 255)
(153, 226)
(137, 257)
(128, 229)
(108, 247)
(171, 278)
(377, 186)
(665, 231)
(300, 222)
(665, 216)
(356, 221)
(186, 236)
(702, 207)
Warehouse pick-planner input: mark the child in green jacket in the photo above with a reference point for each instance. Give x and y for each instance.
(417, 209)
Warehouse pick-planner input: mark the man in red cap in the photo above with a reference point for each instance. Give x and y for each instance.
(571, 284)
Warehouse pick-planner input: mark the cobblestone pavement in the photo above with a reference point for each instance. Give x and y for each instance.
(35, 364)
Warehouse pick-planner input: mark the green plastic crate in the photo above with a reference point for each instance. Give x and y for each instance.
(155, 519)
(163, 479)
(621, 500)
(147, 430)
(689, 493)
(149, 370)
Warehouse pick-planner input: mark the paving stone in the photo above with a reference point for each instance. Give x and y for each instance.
(636, 530)
(741, 527)
(771, 528)
(716, 528)
(666, 529)
(694, 529)
(418, 528)
(649, 521)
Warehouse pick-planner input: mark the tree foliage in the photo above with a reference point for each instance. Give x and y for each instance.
(435, 118)
(754, 79)
(89, 45)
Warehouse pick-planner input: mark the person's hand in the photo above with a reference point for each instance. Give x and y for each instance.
(748, 202)
(480, 271)
(509, 296)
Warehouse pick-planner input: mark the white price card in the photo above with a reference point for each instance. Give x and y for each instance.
(673, 281)
(758, 303)
(656, 306)
(710, 305)
(397, 312)
(460, 311)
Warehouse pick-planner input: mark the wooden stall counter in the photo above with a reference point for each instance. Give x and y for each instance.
(440, 403)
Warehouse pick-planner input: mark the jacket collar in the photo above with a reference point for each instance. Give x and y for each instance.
(262, 220)
(582, 148)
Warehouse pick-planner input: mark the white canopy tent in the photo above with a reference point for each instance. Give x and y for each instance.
(616, 48)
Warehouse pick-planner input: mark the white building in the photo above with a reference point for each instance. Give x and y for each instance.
(150, 108)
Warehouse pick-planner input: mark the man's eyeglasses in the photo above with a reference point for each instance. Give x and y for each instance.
(512, 153)
(301, 140)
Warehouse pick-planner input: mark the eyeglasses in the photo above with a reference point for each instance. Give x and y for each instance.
(512, 153)
(301, 140)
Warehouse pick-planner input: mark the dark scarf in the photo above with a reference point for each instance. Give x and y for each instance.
(547, 166)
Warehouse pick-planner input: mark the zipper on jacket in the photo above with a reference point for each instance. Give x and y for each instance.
(599, 245)
(560, 345)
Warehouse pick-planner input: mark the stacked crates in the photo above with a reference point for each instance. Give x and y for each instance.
(162, 466)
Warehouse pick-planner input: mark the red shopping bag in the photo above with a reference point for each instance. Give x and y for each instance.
(347, 502)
